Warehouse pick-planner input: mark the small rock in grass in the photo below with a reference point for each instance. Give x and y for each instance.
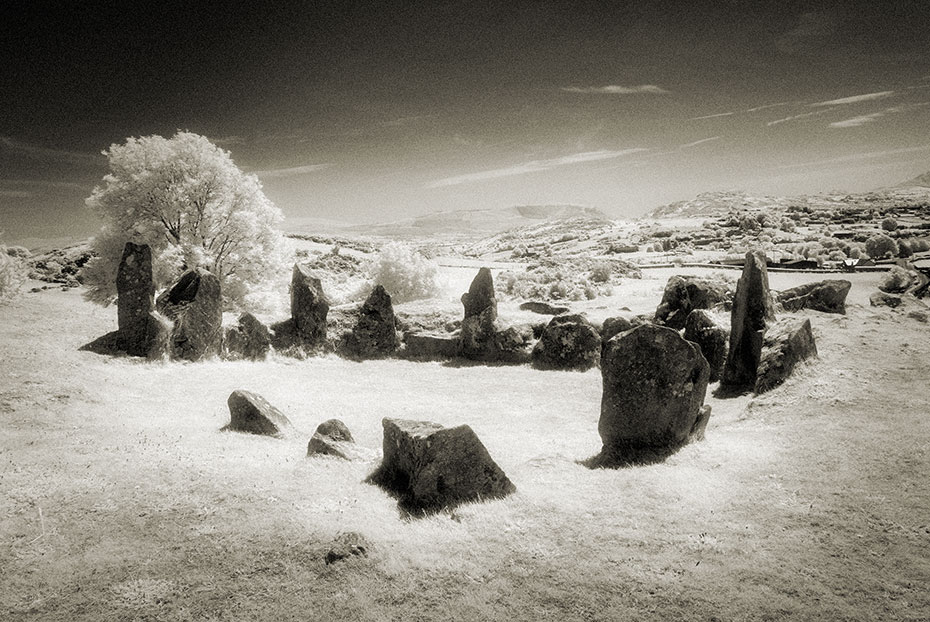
(347, 545)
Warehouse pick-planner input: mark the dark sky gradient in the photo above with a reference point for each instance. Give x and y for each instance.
(375, 111)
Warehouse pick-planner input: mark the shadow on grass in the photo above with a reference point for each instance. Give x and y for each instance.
(111, 344)
(397, 485)
(724, 392)
(627, 457)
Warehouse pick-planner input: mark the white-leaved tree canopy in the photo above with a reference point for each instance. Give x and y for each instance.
(188, 201)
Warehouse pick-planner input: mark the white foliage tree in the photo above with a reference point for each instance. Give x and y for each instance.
(188, 201)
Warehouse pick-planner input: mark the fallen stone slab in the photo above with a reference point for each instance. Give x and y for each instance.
(430, 467)
(786, 344)
(250, 412)
(543, 308)
(430, 347)
(828, 296)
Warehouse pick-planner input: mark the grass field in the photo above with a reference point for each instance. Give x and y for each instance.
(120, 499)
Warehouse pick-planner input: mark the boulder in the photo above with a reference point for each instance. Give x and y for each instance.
(881, 299)
(249, 339)
(752, 311)
(479, 323)
(195, 305)
(543, 308)
(613, 326)
(426, 346)
(683, 294)
(702, 329)
(828, 296)
(374, 334)
(654, 383)
(250, 412)
(786, 344)
(309, 307)
(332, 438)
(431, 467)
(513, 344)
(135, 299)
(568, 342)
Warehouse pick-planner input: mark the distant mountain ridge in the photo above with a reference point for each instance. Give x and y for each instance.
(719, 203)
(479, 221)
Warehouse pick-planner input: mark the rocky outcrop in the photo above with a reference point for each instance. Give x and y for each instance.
(786, 343)
(881, 299)
(309, 308)
(430, 467)
(479, 323)
(374, 334)
(568, 342)
(250, 412)
(195, 305)
(683, 294)
(249, 339)
(702, 329)
(654, 383)
(827, 296)
(752, 311)
(135, 299)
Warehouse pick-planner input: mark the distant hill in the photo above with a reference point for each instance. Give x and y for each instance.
(921, 181)
(478, 221)
(711, 204)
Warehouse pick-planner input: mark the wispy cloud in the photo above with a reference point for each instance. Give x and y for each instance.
(855, 157)
(37, 152)
(534, 166)
(869, 118)
(798, 116)
(613, 89)
(699, 142)
(733, 112)
(42, 183)
(227, 141)
(855, 99)
(402, 121)
(15, 194)
(292, 171)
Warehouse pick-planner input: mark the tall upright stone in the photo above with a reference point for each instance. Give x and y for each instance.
(195, 305)
(752, 311)
(478, 325)
(309, 306)
(375, 334)
(654, 383)
(135, 298)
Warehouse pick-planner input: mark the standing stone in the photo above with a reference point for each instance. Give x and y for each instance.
(195, 305)
(786, 344)
(135, 298)
(568, 342)
(374, 335)
(827, 296)
(683, 294)
(654, 387)
(309, 307)
(430, 467)
(249, 339)
(613, 326)
(250, 412)
(478, 325)
(701, 328)
(752, 309)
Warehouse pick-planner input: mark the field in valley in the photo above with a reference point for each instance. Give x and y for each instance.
(121, 499)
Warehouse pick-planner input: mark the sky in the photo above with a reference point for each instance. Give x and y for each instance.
(378, 111)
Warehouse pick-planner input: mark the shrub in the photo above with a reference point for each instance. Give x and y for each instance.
(13, 272)
(889, 224)
(896, 280)
(904, 249)
(405, 273)
(601, 272)
(880, 245)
